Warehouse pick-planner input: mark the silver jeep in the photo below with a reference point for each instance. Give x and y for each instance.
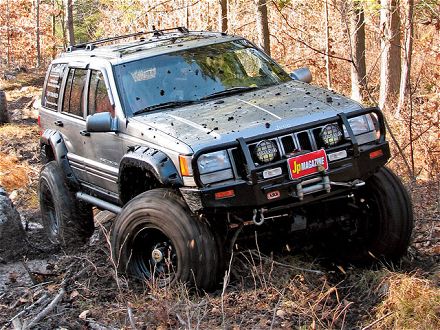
(189, 137)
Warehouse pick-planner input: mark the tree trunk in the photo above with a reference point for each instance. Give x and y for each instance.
(263, 26)
(327, 47)
(390, 56)
(223, 16)
(37, 13)
(54, 49)
(69, 22)
(405, 82)
(8, 32)
(358, 66)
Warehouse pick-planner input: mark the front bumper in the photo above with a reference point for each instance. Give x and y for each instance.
(273, 193)
(281, 192)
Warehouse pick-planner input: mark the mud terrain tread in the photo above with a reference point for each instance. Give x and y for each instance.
(193, 240)
(75, 217)
(397, 207)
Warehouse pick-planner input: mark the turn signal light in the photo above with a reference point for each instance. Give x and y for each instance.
(376, 154)
(185, 168)
(224, 194)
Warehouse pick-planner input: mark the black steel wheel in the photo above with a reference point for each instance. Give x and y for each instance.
(67, 221)
(155, 238)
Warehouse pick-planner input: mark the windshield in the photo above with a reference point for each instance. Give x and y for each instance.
(195, 74)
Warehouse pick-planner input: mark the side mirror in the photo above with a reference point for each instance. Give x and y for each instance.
(302, 74)
(100, 122)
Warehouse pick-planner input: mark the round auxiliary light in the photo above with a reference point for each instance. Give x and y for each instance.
(266, 151)
(331, 135)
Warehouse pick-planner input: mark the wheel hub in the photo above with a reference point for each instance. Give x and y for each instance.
(157, 255)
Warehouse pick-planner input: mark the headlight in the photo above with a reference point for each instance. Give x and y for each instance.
(214, 161)
(359, 125)
(215, 167)
(364, 127)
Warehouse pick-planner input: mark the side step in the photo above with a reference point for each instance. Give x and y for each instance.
(99, 202)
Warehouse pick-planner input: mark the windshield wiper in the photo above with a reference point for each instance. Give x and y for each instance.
(170, 104)
(229, 91)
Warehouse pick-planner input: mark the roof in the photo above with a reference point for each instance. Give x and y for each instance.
(149, 43)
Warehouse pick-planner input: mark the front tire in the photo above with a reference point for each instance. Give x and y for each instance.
(155, 238)
(67, 221)
(386, 218)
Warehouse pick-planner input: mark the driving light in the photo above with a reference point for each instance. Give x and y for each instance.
(265, 151)
(331, 135)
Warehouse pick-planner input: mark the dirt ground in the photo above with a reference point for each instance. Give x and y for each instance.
(43, 287)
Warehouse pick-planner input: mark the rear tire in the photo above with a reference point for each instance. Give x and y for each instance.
(155, 237)
(67, 221)
(4, 116)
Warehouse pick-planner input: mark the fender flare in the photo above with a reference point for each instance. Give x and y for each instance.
(153, 161)
(55, 141)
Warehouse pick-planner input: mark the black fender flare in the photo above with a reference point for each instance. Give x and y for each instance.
(54, 140)
(153, 161)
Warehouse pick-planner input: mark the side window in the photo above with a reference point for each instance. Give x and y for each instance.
(53, 84)
(73, 95)
(98, 97)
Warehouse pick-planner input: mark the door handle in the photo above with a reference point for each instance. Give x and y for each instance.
(59, 123)
(84, 133)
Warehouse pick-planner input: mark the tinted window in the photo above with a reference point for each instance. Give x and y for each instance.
(98, 97)
(73, 96)
(192, 74)
(51, 94)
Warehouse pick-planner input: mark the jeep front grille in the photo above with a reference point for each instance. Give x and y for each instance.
(288, 145)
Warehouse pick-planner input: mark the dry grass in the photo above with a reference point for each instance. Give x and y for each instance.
(17, 132)
(13, 173)
(410, 303)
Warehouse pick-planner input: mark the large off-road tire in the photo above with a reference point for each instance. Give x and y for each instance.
(67, 221)
(386, 218)
(4, 117)
(155, 238)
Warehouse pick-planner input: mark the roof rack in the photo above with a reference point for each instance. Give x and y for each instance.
(156, 33)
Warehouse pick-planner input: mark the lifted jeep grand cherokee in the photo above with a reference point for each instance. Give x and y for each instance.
(189, 136)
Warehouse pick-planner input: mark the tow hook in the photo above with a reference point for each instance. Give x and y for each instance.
(258, 217)
(353, 184)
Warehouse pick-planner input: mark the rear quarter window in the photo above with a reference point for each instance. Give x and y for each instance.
(53, 86)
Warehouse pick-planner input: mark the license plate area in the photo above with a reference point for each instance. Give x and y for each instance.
(307, 164)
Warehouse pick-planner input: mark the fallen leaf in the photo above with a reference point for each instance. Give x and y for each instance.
(84, 314)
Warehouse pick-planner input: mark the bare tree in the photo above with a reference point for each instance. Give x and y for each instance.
(262, 25)
(405, 86)
(69, 22)
(390, 56)
(327, 46)
(37, 36)
(223, 15)
(358, 66)
(54, 50)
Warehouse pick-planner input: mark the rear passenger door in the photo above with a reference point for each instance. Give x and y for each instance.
(71, 123)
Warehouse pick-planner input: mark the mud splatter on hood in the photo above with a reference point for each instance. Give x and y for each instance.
(248, 114)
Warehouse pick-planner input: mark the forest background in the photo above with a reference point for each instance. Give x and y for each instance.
(379, 52)
(383, 52)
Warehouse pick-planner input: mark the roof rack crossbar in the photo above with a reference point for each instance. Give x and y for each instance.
(155, 32)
